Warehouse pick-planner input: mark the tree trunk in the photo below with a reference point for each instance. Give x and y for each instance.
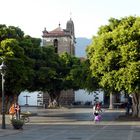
(135, 105)
(139, 106)
(54, 99)
(111, 106)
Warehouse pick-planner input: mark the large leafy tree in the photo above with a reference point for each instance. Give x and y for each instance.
(19, 70)
(115, 57)
(53, 72)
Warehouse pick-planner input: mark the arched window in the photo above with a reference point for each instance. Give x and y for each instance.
(55, 43)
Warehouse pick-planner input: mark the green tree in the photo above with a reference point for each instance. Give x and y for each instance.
(53, 72)
(115, 57)
(45, 67)
(19, 70)
(10, 32)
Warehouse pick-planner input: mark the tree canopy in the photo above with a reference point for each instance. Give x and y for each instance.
(19, 72)
(115, 55)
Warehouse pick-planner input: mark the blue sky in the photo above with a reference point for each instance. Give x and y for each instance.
(88, 15)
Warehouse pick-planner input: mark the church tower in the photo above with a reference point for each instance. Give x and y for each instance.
(70, 27)
(62, 39)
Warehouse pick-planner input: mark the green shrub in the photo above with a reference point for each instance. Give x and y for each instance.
(17, 124)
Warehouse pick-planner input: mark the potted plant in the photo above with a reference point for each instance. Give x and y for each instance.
(17, 124)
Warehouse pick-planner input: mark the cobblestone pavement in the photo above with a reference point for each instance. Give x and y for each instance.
(72, 124)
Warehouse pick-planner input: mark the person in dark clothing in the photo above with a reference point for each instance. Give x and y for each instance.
(17, 110)
(128, 105)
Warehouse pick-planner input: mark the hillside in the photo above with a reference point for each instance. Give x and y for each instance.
(81, 44)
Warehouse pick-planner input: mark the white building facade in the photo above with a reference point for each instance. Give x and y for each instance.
(30, 98)
(86, 97)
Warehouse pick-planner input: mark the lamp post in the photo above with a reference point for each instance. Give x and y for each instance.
(2, 70)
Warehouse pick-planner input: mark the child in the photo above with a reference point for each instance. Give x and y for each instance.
(96, 111)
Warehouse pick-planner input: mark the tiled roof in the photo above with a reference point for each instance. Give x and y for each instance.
(56, 32)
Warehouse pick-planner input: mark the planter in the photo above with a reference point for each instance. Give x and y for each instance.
(17, 124)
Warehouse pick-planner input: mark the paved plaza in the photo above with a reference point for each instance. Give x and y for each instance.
(73, 124)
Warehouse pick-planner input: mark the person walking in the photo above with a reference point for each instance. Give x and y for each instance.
(17, 111)
(12, 111)
(128, 105)
(96, 112)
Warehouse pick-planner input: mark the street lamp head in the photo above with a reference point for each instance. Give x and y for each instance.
(2, 68)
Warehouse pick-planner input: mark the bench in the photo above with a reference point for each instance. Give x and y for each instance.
(117, 105)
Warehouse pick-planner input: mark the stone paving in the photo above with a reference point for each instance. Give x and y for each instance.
(73, 124)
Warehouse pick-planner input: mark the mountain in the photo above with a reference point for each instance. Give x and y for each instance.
(81, 44)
